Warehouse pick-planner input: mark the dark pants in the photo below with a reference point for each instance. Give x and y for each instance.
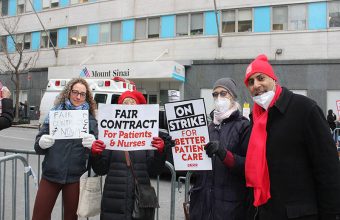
(47, 195)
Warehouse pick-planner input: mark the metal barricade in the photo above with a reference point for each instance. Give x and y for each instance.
(27, 156)
(27, 173)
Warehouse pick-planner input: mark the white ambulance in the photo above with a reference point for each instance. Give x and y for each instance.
(105, 91)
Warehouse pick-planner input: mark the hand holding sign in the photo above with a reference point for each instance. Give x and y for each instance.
(46, 141)
(188, 126)
(213, 147)
(88, 139)
(158, 143)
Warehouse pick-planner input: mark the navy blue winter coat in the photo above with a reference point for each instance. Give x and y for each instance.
(221, 193)
(65, 161)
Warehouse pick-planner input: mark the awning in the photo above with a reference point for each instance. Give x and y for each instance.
(136, 70)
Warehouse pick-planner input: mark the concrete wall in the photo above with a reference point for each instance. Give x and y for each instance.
(314, 76)
(319, 44)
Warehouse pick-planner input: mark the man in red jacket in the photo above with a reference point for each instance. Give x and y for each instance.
(291, 164)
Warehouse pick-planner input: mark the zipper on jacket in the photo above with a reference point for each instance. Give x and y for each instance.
(256, 212)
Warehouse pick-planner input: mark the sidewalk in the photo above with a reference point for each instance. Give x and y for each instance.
(33, 124)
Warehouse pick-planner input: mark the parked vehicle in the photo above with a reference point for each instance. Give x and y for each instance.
(104, 91)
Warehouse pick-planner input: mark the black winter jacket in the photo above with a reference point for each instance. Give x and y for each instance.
(7, 114)
(65, 161)
(302, 160)
(221, 193)
(118, 194)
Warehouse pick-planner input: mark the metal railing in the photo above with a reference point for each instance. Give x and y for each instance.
(25, 155)
(27, 172)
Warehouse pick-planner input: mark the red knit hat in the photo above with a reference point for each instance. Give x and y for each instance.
(260, 65)
(137, 96)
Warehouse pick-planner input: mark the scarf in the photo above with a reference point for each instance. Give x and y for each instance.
(256, 167)
(67, 105)
(220, 116)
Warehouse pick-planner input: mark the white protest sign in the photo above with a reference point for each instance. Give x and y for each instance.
(69, 124)
(187, 125)
(128, 127)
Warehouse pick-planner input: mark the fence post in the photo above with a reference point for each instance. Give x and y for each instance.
(26, 181)
(173, 189)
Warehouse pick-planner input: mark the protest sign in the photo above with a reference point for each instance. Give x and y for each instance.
(187, 124)
(128, 127)
(69, 124)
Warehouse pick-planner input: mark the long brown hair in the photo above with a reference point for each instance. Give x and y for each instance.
(65, 94)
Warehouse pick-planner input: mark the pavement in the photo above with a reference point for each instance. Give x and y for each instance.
(34, 124)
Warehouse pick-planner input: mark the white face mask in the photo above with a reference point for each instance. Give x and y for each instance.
(265, 99)
(222, 104)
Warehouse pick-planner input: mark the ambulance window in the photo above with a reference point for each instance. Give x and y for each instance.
(100, 98)
(114, 99)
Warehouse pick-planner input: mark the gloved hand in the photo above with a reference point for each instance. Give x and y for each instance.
(97, 147)
(88, 140)
(213, 147)
(46, 141)
(158, 143)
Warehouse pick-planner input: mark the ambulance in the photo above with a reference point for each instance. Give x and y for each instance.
(105, 91)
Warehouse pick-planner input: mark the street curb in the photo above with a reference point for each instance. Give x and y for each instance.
(26, 126)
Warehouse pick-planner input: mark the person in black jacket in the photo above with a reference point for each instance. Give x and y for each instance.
(292, 165)
(65, 160)
(118, 194)
(6, 117)
(221, 194)
(331, 118)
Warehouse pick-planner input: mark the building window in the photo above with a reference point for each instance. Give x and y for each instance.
(153, 27)
(53, 37)
(77, 35)
(50, 4)
(4, 7)
(280, 18)
(3, 43)
(115, 31)
(140, 29)
(45, 4)
(297, 17)
(21, 6)
(27, 41)
(82, 35)
(45, 43)
(28, 6)
(72, 36)
(182, 25)
(19, 41)
(78, 1)
(228, 21)
(54, 3)
(334, 14)
(44, 40)
(104, 33)
(196, 25)
(245, 22)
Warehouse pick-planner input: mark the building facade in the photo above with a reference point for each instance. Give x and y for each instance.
(177, 45)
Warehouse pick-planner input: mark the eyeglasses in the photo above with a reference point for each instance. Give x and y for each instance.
(222, 94)
(76, 93)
